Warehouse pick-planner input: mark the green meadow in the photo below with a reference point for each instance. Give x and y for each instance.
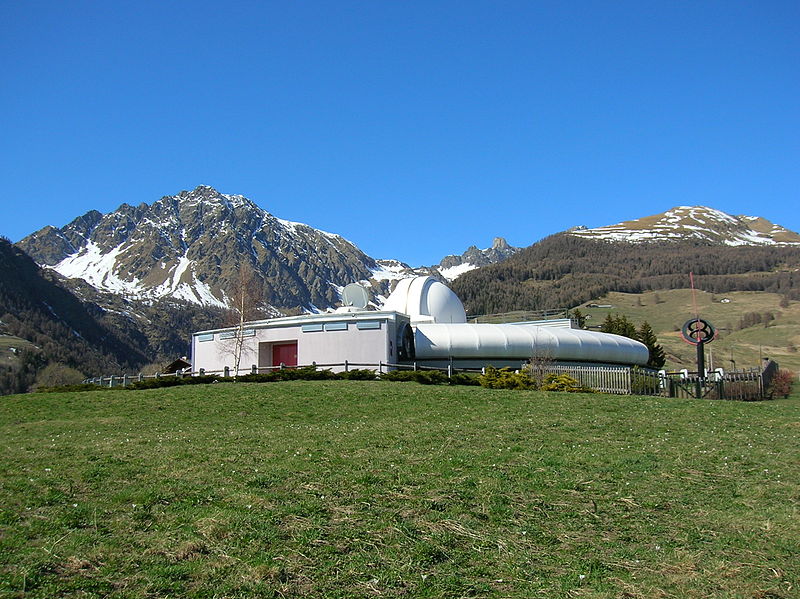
(378, 489)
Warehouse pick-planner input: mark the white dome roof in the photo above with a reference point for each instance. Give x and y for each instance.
(425, 299)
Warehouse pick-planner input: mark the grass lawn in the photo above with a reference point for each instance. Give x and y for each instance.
(361, 489)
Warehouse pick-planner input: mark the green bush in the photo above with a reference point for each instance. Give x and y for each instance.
(505, 378)
(425, 377)
(358, 375)
(463, 378)
(399, 376)
(174, 381)
(306, 373)
(563, 382)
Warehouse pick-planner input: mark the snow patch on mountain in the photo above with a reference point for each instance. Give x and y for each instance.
(391, 270)
(694, 223)
(97, 268)
(456, 271)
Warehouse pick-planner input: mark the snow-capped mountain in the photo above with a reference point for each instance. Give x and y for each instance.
(190, 247)
(453, 266)
(450, 267)
(695, 223)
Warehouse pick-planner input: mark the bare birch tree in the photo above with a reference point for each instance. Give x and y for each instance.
(245, 305)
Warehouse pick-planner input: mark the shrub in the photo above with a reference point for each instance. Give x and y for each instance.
(505, 378)
(425, 377)
(563, 382)
(781, 385)
(400, 376)
(57, 374)
(462, 378)
(358, 375)
(173, 381)
(306, 373)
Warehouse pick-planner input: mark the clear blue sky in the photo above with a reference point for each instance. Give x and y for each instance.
(414, 129)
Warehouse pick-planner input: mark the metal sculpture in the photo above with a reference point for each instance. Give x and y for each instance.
(698, 332)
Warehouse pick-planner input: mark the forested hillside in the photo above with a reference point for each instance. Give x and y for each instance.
(563, 271)
(59, 327)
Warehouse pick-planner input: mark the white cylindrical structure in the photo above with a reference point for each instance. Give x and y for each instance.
(425, 299)
(438, 341)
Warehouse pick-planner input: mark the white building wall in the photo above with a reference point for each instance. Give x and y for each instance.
(323, 344)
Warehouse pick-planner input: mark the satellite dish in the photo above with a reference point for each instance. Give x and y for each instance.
(355, 295)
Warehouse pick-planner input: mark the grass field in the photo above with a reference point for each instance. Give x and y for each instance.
(376, 489)
(666, 311)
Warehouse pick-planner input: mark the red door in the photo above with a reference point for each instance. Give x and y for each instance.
(284, 353)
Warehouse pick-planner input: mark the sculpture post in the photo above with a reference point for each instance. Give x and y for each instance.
(698, 332)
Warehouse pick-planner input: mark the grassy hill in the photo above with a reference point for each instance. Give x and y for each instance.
(666, 311)
(361, 489)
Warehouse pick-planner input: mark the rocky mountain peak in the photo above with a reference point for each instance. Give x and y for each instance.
(190, 246)
(454, 266)
(500, 244)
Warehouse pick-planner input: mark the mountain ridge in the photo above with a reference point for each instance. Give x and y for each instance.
(185, 247)
(694, 223)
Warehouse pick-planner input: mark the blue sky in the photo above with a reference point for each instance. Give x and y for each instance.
(414, 129)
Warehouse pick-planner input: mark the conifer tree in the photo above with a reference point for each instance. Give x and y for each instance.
(648, 337)
(619, 325)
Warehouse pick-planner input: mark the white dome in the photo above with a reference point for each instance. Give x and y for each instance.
(425, 299)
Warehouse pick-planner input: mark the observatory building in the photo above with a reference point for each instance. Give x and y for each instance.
(422, 321)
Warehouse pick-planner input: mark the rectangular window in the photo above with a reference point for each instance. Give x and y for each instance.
(335, 326)
(311, 328)
(366, 325)
(232, 334)
(206, 337)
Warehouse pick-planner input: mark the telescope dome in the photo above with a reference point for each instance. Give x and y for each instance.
(425, 299)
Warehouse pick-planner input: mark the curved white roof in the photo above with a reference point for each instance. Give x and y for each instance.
(507, 341)
(425, 299)
(442, 332)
